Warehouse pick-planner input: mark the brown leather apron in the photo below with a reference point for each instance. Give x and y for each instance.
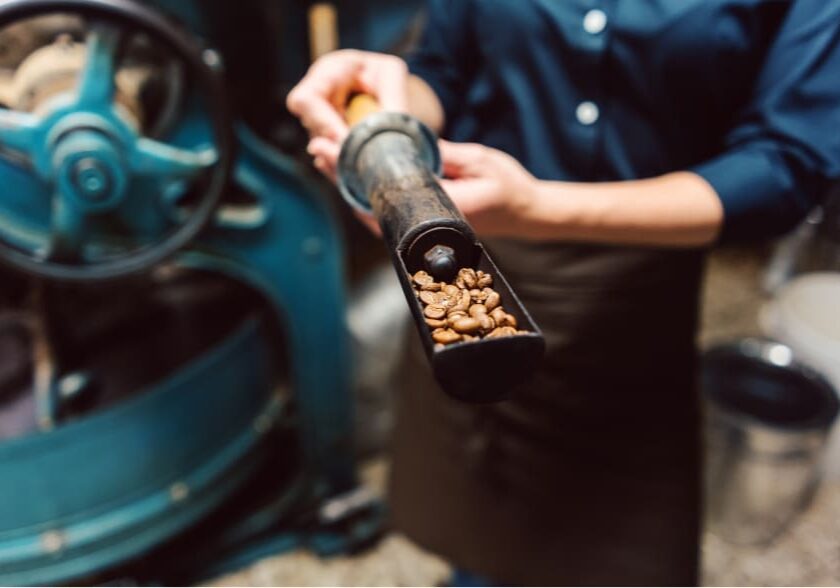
(590, 475)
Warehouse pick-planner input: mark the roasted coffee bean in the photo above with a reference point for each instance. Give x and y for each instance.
(444, 300)
(503, 318)
(502, 332)
(468, 277)
(487, 323)
(477, 310)
(445, 336)
(422, 278)
(451, 290)
(463, 303)
(467, 325)
(450, 321)
(492, 300)
(466, 310)
(435, 311)
(498, 314)
(454, 315)
(429, 297)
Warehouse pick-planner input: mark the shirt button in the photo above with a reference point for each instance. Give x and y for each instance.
(587, 113)
(595, 21)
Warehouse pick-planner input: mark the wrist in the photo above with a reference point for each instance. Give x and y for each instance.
(525, 203)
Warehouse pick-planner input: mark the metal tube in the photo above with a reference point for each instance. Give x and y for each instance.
(387, 168)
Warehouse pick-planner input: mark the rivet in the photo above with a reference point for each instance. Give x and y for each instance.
(71, 385)
(52, 541)
(179, 491)
(313, 247)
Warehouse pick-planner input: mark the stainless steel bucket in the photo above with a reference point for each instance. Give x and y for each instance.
(767, 421)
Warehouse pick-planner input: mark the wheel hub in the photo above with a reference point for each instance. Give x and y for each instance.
(90, 169)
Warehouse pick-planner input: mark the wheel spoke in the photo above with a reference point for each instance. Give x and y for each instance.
(18, 130)
(97, 81)
(67, 232)
(155, 159)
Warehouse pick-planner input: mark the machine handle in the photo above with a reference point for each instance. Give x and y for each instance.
(323, 29)
(360, 107)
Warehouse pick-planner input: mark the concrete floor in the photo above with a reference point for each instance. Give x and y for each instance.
(807, 554)
(395, 561)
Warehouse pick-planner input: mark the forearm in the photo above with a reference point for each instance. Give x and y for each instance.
(674, 210)
(424, 104)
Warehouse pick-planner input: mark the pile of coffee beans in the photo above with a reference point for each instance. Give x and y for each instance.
(466, 310)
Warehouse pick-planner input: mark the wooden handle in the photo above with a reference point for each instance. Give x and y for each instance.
(323, 29)
(360, 107)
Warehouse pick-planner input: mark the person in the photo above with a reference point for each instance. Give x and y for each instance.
(599, 148)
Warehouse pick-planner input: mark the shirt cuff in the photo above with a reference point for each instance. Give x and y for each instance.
(757, 192)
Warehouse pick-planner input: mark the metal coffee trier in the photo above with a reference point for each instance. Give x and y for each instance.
(387, 167)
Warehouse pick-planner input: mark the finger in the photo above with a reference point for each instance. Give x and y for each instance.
(386, 79)
(312, 99)
(369, 221)
(325, 149)
(392, 86)
(316, 113)
(461, 159)
(326, 169)
(322, 119)
(341, 97)
(471, 196)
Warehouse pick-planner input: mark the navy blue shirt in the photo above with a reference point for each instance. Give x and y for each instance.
(745, 93)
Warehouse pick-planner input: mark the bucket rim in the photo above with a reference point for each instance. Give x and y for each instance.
(777, 355)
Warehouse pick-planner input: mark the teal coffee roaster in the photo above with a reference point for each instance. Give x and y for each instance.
(174, 365)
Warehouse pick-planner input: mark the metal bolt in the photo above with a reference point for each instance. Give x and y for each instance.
(179, 491)
(441, 263)
(91, 178)
(72, 384)
(53, 541)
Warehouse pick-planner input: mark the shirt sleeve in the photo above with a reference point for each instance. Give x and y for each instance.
(785, 148)
(440, 57)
